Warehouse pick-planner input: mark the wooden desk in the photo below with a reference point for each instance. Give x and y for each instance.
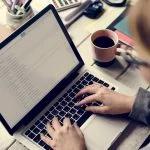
(120, 71)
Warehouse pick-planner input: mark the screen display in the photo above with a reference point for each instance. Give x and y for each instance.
(31, 65)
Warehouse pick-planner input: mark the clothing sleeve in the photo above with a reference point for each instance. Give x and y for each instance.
(141, 107)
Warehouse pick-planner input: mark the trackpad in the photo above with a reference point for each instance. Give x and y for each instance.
(102, 130)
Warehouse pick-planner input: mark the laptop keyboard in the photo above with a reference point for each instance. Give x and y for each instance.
(65, 107)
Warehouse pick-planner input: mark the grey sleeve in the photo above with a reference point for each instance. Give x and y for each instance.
(141, 107)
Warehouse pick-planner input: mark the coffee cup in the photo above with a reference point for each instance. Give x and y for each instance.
(104, 46)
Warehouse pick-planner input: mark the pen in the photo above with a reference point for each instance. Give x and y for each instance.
(25, 5)
(14, 3)
(8, 7)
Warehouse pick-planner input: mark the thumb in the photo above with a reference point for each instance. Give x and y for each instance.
(98, 109)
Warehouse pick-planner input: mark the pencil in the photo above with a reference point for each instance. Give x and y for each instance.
(6, 4)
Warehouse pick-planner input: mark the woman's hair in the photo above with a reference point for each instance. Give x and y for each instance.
(139, 23)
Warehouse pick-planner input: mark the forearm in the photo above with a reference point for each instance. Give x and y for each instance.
(141, 107)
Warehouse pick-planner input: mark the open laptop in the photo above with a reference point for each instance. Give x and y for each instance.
(40, 73)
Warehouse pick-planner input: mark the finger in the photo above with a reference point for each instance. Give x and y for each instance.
(66, 122)
(97, 109)
(50, 130)
(47, 140)
(91, 89)
(77, 129)
(55, 123)
(88, 99)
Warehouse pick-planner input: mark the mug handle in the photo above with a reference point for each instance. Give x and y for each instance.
(119, 50)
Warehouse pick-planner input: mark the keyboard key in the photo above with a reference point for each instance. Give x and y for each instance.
(46, 113)
(61, 99)
(80, 86)
(63, 103)
(76, 117)
(72, 94)
(106, 84)
(71, 104)
(78, 82)
(37, 138)
(113, 88)
(68, 99)
(69, 91)
(73, 111)
(41, 143)
(56, 104)
(82, 78)
(89, 77)
(44, 131)
(101, 82)
(37, 122)
(59, 107)
(36, 130)
(95, 79)
(76, 90)
(51, 109)
(54, 112)
(47, 147)
(31, 135)
(62, 113)
(66, 109)
(41, 126)
(50, 116)
(74, 86)
(86, 74)
(65, 95)
(89, 104)
(84, 82)
(80, 112)
(83, 107)
(27, 132)
(42, 118)
(45, 121)
(91, 82)
(96, 104)
(75, 100)
(32, 127)
(68, 115)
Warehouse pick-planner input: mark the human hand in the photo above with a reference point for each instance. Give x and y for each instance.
(66, 137)
(112, 102)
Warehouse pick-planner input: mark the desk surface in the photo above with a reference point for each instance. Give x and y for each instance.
(120, 71)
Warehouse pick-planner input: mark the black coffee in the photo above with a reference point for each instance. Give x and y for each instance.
(104, 42)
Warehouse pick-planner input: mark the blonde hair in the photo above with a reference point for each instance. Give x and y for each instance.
(139, 23)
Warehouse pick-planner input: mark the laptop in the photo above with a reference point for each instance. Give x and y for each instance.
(41, 71)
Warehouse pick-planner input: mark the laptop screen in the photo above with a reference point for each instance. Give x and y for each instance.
(31, 65)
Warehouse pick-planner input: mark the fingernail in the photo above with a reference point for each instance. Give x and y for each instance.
(55, 117)
(77, 104)
(86, 109)
(75, 124)
(41, 135)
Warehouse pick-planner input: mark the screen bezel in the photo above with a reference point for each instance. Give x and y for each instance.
(59, 87)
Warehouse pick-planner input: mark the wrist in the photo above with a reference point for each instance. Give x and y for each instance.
(130, 103)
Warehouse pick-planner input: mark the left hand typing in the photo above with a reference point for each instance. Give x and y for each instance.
(66, 137)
